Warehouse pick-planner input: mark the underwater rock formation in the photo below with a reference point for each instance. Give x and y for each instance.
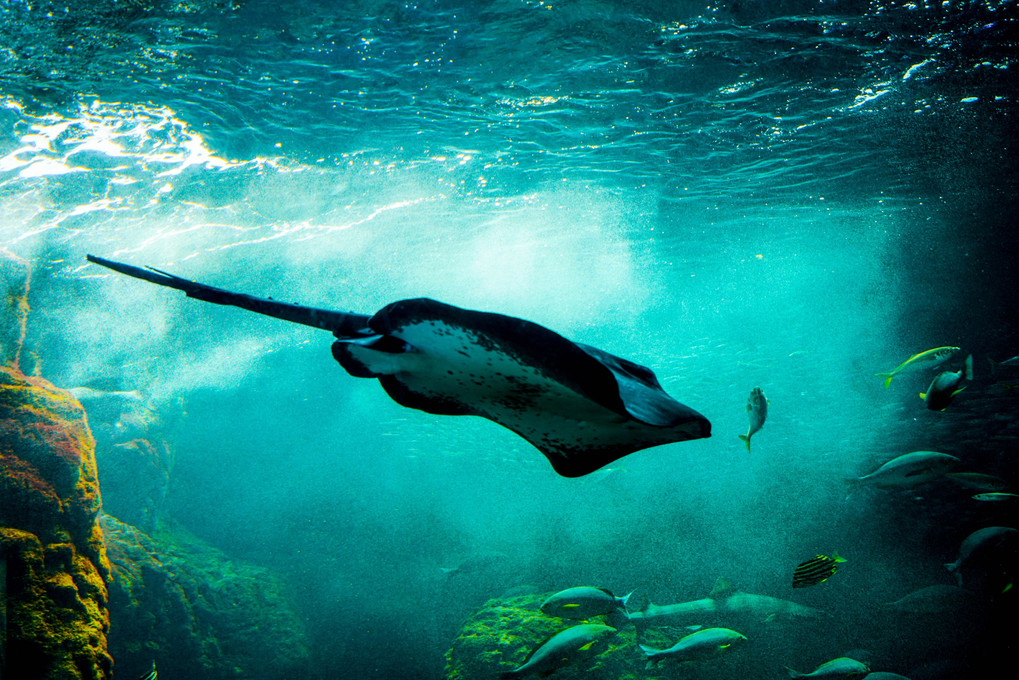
(198, 614)
(50, 542)
(502, 632)
(132, 454)
(16, 279)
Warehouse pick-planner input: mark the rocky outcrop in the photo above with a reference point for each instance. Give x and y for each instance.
(198, 614)
(132, 454)
(50, 542)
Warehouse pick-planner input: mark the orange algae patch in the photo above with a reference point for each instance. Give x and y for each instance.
(50, 540)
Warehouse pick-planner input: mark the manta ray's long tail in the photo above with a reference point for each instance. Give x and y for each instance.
(341, 324)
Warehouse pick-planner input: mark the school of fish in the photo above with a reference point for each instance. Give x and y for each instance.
(984, 567)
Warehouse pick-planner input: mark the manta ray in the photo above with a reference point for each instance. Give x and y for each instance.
(580, 406)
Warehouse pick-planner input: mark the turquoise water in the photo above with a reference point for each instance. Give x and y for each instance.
(792, 195)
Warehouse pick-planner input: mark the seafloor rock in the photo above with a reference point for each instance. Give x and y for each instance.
(132, 454)
(500, 635)
(198, 614)
(50, 543)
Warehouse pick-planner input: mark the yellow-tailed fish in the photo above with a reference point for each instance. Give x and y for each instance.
(929, 359)
(583, 602)
(562, 649)
(945, 386)
(704, 644)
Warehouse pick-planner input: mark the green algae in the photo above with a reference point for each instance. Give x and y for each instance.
(500, 635)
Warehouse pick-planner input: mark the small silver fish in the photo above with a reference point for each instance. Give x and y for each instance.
(483, 561)
(996, 496)
(757, 411)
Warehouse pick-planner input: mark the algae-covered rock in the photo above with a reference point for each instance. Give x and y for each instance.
(500, 635)
(197, 613)
(50, 542)
(132, 454)
(15, 282)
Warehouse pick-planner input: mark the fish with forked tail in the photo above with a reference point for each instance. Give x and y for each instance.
(928, 359)
(583, 602)
(757, 411)
(909, 470)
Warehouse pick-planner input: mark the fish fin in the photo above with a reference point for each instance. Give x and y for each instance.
(589, 645)
(793, 673)
(617, 618)
(746, 440)
(968, 367)
(649, 651)
(571, 605)
(721, 587)
(626, 600)
(835, 556)
(888, 378)
(959, 390)
(923, 395)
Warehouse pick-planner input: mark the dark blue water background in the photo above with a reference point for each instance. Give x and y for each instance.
(792, 195)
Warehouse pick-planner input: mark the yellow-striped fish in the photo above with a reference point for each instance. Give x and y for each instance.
(816, 570)
(929, 359)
